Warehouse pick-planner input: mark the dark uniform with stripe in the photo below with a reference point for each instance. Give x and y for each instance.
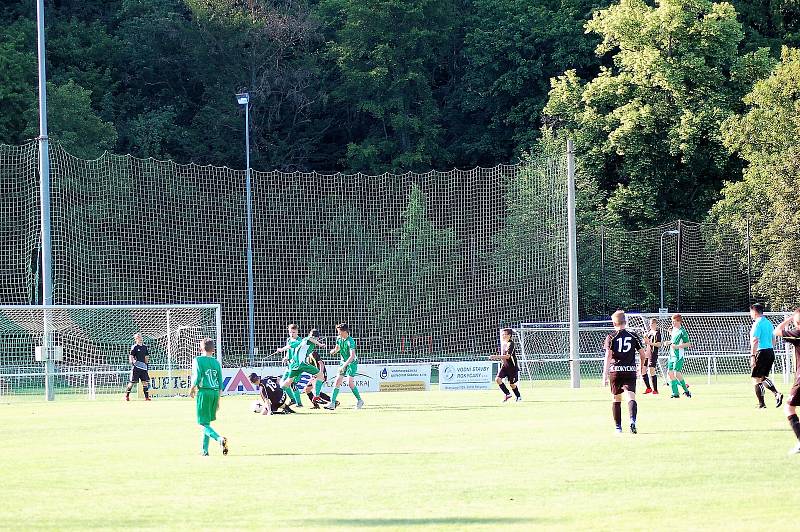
(622, 370)
(313, 359)
(654, 337)
(509, 368)
(271, 391)
(139, 369)
(792, 336)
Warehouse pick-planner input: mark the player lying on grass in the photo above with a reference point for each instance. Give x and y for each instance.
(652, 339)
(762, 355)
(346, 348)
(619, 368)
(298, 364)
(273, 398)
(207, 386)
(789, 329)
(678, 342)
(509, 369)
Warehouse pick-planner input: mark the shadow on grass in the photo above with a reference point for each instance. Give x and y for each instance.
(428, 521)
(395, 453)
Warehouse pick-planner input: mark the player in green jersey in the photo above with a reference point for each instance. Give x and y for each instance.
(292, 341)
(207, 387)
(679, 341)
(300, 350)
(346, 348)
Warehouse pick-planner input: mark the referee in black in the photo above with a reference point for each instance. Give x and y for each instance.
(139, 359)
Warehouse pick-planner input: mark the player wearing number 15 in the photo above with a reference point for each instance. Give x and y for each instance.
(207, 387)
(620, 368)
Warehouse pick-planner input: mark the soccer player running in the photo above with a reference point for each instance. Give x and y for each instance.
(346, 347)
(207, 387)
(272, 396)
(288, 351)
(619, 368)
(652, 339)
(298, 364)
(678, 342)
(789, 329)
(762, 355)
(139, 359)
(509, 369)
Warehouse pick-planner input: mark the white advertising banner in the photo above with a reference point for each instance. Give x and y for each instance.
(465, 376)
(368, 378)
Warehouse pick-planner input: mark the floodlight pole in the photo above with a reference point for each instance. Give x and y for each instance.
(44, 193)
(670, 232)
(244, 99)
(572, 255)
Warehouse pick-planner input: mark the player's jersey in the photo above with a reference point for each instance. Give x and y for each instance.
(346, 346)
(206, 373)
(271, 389)
(511, 350)
(792, 336)
(624, 348)
(764, 331)
(306, 349)
(140, 353)
(293, 355)
(655, 338)
(678, 336)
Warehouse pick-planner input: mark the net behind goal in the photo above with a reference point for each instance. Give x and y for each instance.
(721, 346)
(95, 341)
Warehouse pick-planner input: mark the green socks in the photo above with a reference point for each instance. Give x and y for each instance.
(684, 386)
(318, 387)
(355, 392)
(290, 393)
(208, 433)
(674, 385)
(335, 395)
(205, 444)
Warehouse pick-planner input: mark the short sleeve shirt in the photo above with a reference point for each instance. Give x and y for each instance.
(763, 331)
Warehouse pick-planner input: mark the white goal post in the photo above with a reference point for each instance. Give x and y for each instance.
(84, 349)
(721, 346)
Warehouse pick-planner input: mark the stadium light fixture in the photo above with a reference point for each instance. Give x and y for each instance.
(670, 232)
(243, 98)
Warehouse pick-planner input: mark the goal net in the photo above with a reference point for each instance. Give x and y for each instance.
(721, 346)
(95, 341)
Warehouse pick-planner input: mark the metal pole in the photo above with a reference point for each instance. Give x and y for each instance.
(662, 270)
(250, 295)
(219, 333)
(678, 260)
(169, 348)
(749, 274)
(572, 255)
(44, 192)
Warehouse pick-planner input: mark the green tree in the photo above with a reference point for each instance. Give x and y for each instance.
(767, 136)
(17, 81)
(647, 127)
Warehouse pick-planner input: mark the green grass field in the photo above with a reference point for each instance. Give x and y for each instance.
(440, 460)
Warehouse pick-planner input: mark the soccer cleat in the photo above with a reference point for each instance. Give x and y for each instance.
(316, 401)
(127, 397)
(518, 399)
(655, 392)
(618, 430)
(331, 406)
(673, 396)
(649, 390)
(794, 450)
(315, 406)
(778, 400)
(223, 442)
(337, 403)
(359, 404)
(507, 398)
(761, 406)
(203, 453)
(299, 405)
(288, 410)
(688, 394)
(633, 428)
(147, 399)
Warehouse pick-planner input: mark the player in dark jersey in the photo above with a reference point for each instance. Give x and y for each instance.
(273, 398)
(509, 367)
(139, 359)
(621, 348)
(789, 329)
(652, 339)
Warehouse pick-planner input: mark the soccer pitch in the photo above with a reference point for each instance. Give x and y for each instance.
(412, 460)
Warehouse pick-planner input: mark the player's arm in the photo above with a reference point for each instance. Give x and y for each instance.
(607, 360)
(335, 349)
(131, 358)
(281, 350)
(779, 330)
(195, 379)
(317, 342)
(147, 357)
(350, 358)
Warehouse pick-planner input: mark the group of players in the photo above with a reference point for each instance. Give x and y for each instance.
(622, 346)
(302, 355)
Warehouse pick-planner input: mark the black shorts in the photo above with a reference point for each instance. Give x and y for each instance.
(765, 358)
(622, 382)
(508, 372)
(652, 360)
(794, 393)
(138, 374)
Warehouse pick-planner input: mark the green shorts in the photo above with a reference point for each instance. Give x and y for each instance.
(298, 369)
(207, 403)
(349, 370)
(675, 364)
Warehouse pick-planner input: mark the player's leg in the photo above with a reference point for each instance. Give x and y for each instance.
(673, 381)
(791, 414)
(501, 374)
(513, 379)
(287, 385)
(134, 378)
(767, 382)
(632, 406)
(681, 380)
(654, 376)
(616, 411)
(643, 363)
(758, 387)
(146, 389)
(352, 384)
(332, 404)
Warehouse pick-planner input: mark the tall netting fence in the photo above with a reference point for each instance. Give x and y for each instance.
(704, 267)
(423, 266)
